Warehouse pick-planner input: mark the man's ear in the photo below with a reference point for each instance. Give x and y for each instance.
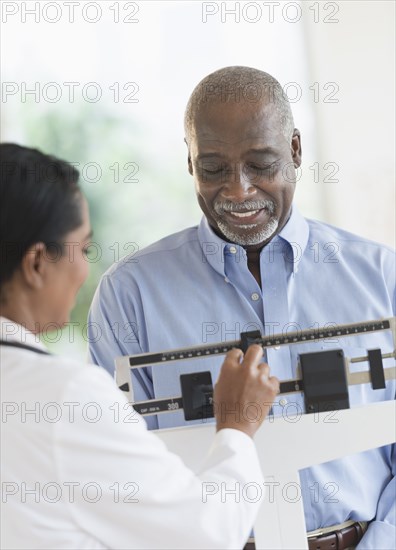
(34, 265)
(190, 166)
(296, 149)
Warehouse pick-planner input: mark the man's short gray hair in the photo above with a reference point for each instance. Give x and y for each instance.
(243, 85)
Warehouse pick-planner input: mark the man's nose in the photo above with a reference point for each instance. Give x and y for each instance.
(237, 185)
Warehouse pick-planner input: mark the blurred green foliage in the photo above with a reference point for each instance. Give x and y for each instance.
(132, 201)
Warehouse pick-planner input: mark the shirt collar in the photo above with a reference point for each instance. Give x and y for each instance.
(295, 233)
(214, 249)
(212, 246)
(13, 332)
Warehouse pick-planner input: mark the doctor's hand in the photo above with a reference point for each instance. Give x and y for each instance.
(245, 391)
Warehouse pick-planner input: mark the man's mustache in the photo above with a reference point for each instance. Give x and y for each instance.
(246, 206)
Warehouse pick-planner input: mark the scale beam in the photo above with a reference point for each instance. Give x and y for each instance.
(296, 337)
(197, 389)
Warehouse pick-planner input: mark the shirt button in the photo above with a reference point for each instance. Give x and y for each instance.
(255, 297)
(233, 249)
(283, 402)
(227, 280)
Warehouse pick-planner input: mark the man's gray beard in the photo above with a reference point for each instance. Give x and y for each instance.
(251, 238)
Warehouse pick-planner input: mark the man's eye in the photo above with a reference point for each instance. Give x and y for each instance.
(206, 171)
(260, 168)
(212, 169)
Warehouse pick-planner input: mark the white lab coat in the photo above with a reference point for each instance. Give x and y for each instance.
(79, 471)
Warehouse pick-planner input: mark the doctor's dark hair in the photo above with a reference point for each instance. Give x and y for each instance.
(40, 201)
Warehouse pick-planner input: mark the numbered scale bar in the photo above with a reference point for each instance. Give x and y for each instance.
(309, 373)
(155, 406)
(172, 404)
(297, 337)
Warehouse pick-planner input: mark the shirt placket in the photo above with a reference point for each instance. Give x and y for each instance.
(238, 274)
(274, 273)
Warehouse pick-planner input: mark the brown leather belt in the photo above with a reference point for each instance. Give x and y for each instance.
(337, 540)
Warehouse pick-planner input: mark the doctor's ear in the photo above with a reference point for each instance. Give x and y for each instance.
(34, 264)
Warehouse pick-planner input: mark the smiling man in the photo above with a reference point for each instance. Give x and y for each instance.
(240, 153)
(255, 263)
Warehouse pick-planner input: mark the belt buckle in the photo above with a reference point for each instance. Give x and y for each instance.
(315, 535)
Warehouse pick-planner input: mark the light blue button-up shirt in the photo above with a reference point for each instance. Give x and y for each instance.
(194, 288)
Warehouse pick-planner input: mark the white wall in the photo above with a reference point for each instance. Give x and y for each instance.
(172, 47)
(358, 133)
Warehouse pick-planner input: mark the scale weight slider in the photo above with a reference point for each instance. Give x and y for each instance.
(197, 395)
(325, 381)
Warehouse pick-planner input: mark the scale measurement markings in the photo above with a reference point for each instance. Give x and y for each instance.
(172, 404)
(155, 406)
(302, 336)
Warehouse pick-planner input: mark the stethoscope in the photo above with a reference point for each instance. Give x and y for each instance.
(42, 352)
(23, 346)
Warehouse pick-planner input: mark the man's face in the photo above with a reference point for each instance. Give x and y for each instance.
(244, 170)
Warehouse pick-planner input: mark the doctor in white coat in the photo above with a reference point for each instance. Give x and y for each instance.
(79, 468)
